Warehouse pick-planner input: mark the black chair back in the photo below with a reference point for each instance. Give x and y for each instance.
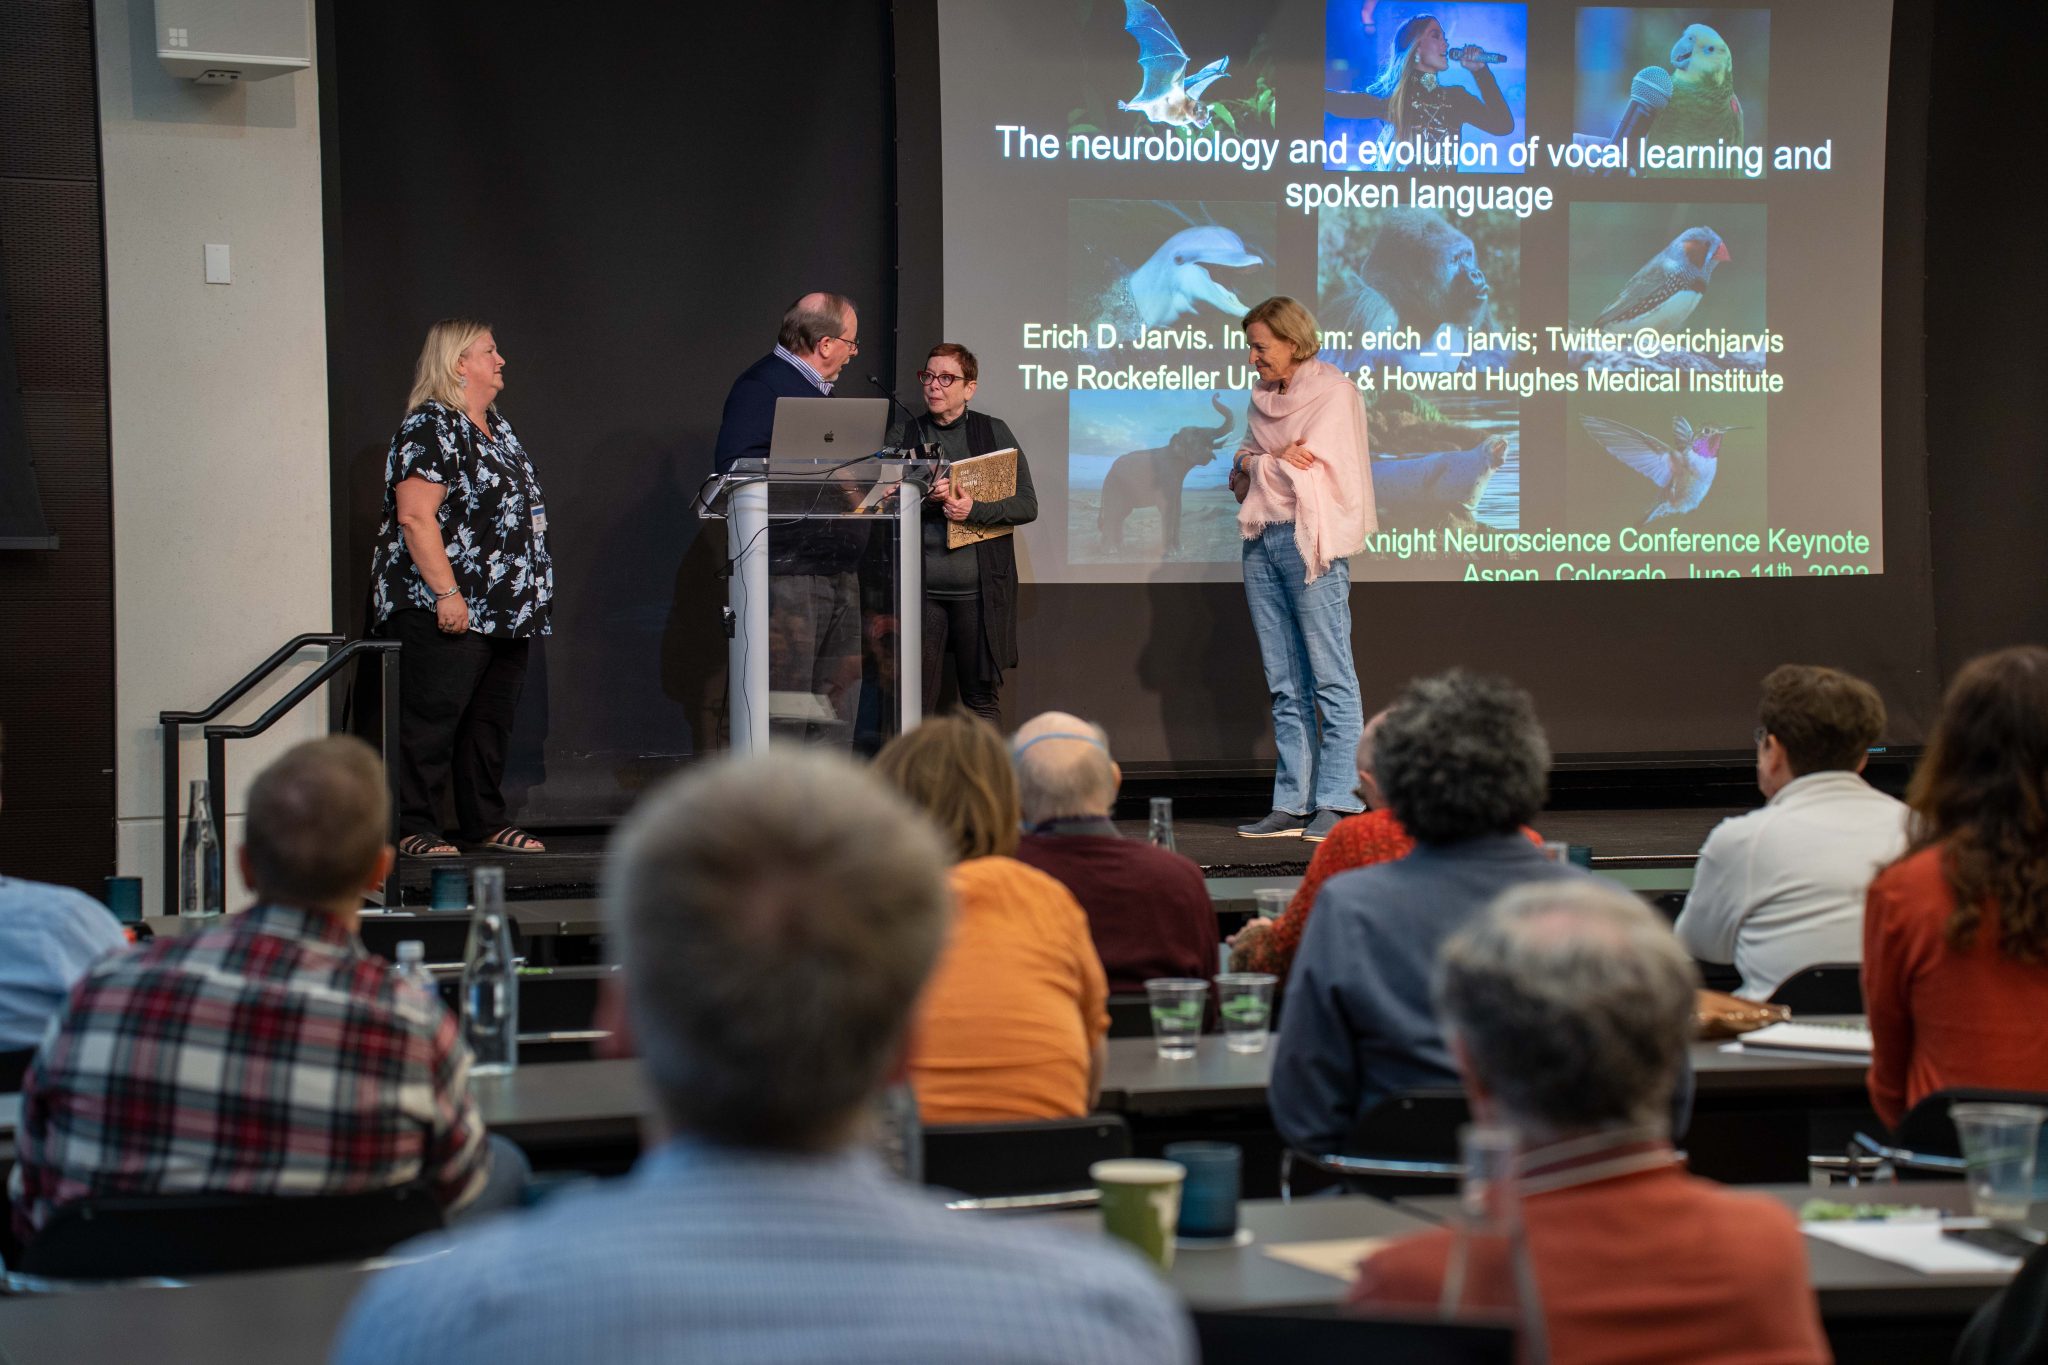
(1828, 988)
(1039, 1157)
(1334, 1337)
(1130, 1016)
(1413, 1127)
(1928, 1129)
(13, 1066)
(178, 1236)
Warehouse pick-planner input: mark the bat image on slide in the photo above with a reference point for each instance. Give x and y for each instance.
(1169, 95)
(1683, 471)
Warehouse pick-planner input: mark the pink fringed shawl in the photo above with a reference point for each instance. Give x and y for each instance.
(1330, 503)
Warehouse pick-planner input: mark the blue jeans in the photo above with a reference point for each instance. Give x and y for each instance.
(1305, 643)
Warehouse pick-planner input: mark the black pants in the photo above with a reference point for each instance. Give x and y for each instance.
(457, 697)
(952, 625)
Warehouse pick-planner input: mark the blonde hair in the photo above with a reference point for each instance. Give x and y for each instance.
(434, 376)
(1288, 321)
(958, 770)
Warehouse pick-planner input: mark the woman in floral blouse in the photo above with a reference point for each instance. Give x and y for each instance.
(461, 576)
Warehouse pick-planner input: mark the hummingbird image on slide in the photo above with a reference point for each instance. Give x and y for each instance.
(1683, 470)
(1669, 286)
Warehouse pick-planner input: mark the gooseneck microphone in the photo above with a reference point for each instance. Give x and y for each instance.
(890, 394)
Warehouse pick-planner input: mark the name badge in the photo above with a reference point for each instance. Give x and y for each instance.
(540, 519)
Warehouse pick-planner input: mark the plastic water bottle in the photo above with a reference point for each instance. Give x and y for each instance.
(1489, 1272)
(199, 889)
(412, 966)
(1161, 832)
(490, 980)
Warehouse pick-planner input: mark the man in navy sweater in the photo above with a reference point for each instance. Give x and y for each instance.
(814, 585)
(816, 341)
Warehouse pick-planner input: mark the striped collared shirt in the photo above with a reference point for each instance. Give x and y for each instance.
(818, 381)
(269, 1055)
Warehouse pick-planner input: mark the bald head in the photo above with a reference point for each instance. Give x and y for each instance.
(1063, 768)
(812, 319)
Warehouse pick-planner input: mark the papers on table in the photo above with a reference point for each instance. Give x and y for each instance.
(1916, 1246)
(1338, 1259)
(1846, 1041)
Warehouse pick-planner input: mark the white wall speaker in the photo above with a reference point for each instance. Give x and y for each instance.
(227, 42)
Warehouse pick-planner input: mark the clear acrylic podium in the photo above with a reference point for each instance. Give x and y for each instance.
(824, 593)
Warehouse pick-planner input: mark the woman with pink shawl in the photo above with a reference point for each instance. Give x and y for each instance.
(1304, 478)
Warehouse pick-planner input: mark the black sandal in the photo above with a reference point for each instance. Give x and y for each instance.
(513, 839)
(427, 846)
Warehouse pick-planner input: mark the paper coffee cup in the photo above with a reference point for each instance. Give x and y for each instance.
(1141, 1203)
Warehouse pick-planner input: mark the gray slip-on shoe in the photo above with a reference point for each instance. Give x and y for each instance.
(1277, 825)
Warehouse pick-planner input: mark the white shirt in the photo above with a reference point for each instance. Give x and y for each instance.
(1781, 889)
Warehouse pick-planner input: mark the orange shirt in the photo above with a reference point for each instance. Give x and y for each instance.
(1939, 1017)
(1014, 1010)
(1652, 1266)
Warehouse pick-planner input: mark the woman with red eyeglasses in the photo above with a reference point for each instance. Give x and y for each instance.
(970, 593)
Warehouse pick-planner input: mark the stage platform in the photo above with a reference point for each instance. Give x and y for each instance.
(1650, 850)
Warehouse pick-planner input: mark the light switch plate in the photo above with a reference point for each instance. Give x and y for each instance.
(217, 264)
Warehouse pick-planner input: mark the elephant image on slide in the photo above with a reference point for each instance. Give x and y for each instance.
(1153, 478)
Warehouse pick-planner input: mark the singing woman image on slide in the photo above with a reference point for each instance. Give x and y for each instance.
(1415, 103)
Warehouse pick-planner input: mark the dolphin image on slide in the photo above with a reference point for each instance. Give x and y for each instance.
(1169, 95)
(1169, 285)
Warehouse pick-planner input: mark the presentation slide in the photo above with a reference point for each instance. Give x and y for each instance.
(1607, 279)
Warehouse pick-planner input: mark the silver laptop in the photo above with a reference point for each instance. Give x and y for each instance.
(827, 430)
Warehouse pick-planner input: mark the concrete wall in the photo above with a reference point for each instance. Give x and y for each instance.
(219, 406)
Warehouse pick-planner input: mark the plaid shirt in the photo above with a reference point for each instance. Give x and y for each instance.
(270, 1055)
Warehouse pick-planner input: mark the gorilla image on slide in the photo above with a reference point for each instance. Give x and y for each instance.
(1418, 272)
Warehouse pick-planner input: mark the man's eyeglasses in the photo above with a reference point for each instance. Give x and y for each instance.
(1761, 734)
(944, 381)
(852, 348)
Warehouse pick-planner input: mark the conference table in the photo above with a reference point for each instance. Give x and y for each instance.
(1745, 1101)
(1872, 1309)
(1756, 1116)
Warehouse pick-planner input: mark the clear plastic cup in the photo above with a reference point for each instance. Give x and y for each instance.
(1246, 1002)
(1271, 901)
(1999, 1145)
(1177, 1004)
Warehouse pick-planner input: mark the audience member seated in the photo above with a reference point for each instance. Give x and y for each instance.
(1781, 888)
(1014, 1022)
(1148, 908)
(1955, 934)
(774, 919)
(1569, 1007)
(1461, 761)
(49, 935)
(1372, 836)
(269, 1054)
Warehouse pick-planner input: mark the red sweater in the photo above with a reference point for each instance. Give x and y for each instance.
(1939, 1017)
(1655, 1266)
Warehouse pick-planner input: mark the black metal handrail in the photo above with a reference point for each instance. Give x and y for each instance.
(217, 736)
(172, 721)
